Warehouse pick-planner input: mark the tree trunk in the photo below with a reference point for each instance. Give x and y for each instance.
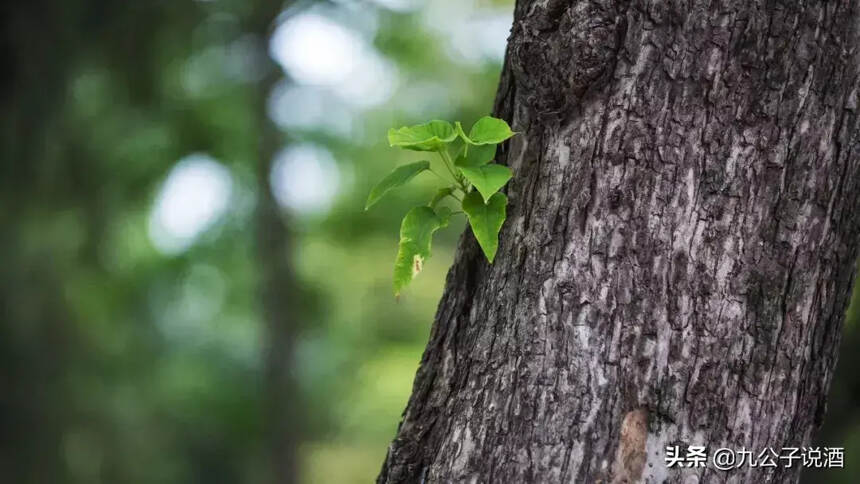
(278, 291)
(279, 311)
(683, 227)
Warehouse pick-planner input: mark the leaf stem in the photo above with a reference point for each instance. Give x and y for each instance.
(437, 174)
(446, 159)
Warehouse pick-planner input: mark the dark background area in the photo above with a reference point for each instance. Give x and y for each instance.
(190, 290)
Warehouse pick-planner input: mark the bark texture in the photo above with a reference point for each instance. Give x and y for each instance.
(683, 227)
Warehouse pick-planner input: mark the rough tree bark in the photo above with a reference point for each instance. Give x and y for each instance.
(683, 227)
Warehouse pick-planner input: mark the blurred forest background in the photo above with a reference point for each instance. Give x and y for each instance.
(190, 290)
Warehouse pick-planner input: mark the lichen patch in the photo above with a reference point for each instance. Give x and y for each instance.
(631, 455)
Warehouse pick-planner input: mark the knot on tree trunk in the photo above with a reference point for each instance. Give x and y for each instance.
(561, 50)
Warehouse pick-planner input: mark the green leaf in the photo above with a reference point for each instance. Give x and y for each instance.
(486, 220)
(441, 194)
(416, 233)
(488, 179)
(444, 214)
(431, 136)
(476, 155)
(396, 178)
(487, 130)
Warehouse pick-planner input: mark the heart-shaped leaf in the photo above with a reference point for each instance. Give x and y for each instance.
(476, 155)
(398, 177)
(416, 233)
(487, 130)
(486, 220)
(488, 179)
(431, 136)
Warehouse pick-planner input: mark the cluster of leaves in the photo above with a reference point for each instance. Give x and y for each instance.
(474, 183)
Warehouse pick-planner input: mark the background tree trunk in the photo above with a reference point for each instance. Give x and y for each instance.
(279, 293)
(679, 253)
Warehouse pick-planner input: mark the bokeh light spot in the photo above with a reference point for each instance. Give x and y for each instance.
(305, 179)
(192, 198)
(318, 51)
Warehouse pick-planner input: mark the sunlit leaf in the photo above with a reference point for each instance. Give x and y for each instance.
(398, 177)
(488, 179)
(487, 130)
(486, 220)
(431, 136)
(416, 233)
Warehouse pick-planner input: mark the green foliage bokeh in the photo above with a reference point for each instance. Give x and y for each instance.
(120, 362)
